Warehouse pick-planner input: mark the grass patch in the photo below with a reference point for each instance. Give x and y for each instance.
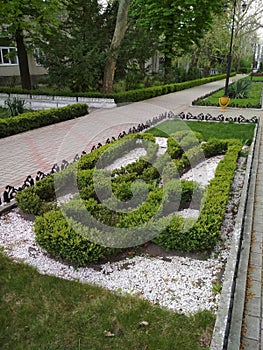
(255, 78)
(44, 312)
(253, 101)
(209, 130)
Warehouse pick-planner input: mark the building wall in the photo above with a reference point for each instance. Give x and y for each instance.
(10, 75)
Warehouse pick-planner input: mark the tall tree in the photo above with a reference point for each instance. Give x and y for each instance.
(119, 32)
(213, 48)
(247, 23)
(74, 54)
(22, 21)
(179, 23)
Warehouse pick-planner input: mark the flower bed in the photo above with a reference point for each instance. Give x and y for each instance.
(74, 237)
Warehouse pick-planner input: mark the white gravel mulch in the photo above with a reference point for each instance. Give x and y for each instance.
(182, 284)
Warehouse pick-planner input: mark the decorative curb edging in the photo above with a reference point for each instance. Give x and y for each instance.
(238, 257)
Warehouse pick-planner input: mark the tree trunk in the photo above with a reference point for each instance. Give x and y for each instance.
(23, 61)
(168, 58)
(119, 32)
(167, 68)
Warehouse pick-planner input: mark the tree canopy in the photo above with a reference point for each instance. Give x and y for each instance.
(178, 23)
(85, 44)
(22, 21)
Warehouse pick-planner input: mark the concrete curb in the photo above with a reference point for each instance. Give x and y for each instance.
(234, 337)
(238, 258)
(7, 207)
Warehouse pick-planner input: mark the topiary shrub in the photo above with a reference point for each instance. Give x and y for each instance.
(58, 238)
(203, 234)
(214, 147)
(28, 201)
(149, 200)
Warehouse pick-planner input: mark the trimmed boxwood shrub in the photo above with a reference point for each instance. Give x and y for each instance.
(180, 234)
(58, 238)
(28, 201)
(146, 93)
(214, 147)
(39, 198)
(205, 232)
(35, 199)
(182, 141)
(117, 149)
(33, 120)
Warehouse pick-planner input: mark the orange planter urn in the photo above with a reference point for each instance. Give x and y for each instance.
(224, 102)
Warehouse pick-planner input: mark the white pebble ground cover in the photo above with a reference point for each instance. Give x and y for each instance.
(180, 283)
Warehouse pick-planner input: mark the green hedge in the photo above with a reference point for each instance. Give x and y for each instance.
(206, 231)
(144, 94)
(33, 120)
(56, 236)
(20, 91)
(149, 200)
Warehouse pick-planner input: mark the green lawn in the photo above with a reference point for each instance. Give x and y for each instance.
(209, 130)
(254, 100)
(255, 78)
(44, 312)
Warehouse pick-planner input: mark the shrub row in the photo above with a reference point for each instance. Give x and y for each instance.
(147, 199)
(33, 120)
(58, 237)
(117, 149)
(240, 104)
(206, 231)
(143, 94)
(20, 91)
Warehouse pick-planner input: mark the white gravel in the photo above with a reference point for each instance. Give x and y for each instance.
(204, 171)
(179, 283)
(182, 284)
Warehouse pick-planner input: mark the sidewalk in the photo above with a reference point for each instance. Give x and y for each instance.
(252, 327)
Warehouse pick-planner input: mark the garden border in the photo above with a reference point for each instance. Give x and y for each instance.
(238, 256)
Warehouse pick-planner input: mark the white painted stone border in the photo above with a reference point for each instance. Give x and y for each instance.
(41, 102)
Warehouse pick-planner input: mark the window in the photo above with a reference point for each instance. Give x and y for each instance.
(8, 55)
(38, 55)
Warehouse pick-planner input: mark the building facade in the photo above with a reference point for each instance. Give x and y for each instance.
(9, 66)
